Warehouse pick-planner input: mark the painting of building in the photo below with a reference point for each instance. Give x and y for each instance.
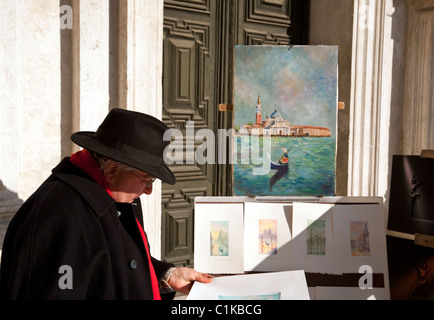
(287, 95)
(275, 126)
(359, 235)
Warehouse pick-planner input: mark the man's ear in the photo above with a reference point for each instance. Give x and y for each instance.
(110, 170)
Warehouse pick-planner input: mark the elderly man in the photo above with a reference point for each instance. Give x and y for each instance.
(80, 235)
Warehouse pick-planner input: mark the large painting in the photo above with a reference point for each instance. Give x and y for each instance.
(285, 107)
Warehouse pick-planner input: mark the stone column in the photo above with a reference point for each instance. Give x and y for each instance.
(140, 85)
(116, 61)
(418, 131)
(370, 106)
(90, 64)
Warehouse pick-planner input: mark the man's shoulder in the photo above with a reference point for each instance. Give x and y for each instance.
(69, 186)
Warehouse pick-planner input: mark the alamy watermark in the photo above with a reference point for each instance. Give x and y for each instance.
(366, 281)
(66, 17)
(65, 281)
(249, 149)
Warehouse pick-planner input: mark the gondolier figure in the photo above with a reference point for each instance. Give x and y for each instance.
(283, 162)
(284, 159)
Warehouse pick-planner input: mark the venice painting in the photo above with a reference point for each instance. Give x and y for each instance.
(267, 236)
(285, 110)
(316, 239)
(219, 238)
(359, 236)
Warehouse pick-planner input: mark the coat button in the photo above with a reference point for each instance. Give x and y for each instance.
(132, 264)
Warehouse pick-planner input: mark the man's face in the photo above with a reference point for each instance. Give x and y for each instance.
(128, 185)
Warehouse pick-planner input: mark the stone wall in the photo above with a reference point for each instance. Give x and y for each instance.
(29, 99)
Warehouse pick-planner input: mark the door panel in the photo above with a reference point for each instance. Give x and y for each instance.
(264, 22)
(188, 105)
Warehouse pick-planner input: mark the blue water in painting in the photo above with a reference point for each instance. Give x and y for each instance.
(311, 168)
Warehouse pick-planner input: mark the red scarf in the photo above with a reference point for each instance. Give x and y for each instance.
(84, 161)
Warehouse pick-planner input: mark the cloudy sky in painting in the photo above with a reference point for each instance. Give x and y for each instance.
(300, 82)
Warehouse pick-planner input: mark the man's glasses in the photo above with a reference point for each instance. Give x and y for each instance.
(147, 183)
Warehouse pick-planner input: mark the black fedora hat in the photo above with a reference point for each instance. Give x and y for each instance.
(132, 138)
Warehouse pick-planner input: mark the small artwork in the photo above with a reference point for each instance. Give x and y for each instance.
(219, 238)
(411, 208)
(267, 242)
(359, 235)
(316, 240)
(273, 296)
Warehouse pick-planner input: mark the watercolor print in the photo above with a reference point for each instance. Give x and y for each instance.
(359, 235)
(219, 236)
(316, 240)
(267, 236)
(285, 111)
(273, 296)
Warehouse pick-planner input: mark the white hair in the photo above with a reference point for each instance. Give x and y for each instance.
(103, 160)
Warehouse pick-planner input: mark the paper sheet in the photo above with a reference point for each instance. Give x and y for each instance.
(219, 245)
(288, 285)
(267, 237)
(313, 242)
(360, 239)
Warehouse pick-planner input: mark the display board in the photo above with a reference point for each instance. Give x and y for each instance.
(336, 241)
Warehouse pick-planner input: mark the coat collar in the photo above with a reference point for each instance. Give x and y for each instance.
(97, 198)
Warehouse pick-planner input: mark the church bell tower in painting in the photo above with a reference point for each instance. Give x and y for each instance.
(259, 111)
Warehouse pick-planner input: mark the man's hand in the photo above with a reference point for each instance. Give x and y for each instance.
(182, 279)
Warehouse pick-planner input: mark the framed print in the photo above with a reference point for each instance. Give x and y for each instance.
(267, 236)
(219, 238)
(360, 237)
(312, 240)
(411, 208)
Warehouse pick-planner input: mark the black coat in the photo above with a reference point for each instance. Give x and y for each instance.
(71, 221)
